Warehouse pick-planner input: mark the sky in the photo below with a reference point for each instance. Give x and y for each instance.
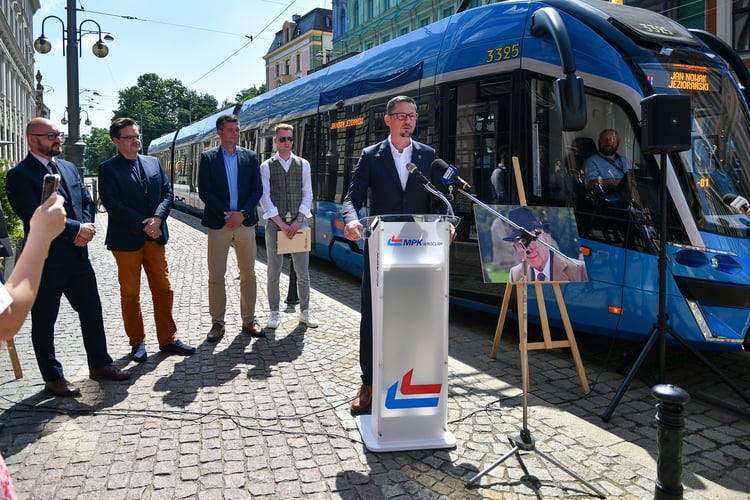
(203, 44)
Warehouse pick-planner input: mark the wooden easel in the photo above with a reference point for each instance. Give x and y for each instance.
(17, 371)
(548, 343)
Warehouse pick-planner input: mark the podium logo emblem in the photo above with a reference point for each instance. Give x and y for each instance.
(404, 242)
(395, 399)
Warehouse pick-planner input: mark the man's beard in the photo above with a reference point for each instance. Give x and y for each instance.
(51, 151)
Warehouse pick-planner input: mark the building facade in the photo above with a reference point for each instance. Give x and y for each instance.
(302, 45)
(18, 96)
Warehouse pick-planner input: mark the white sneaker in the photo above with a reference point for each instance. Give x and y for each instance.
(273, 321)
(307, 318)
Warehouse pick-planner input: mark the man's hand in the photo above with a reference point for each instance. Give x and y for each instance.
(234, 219)
(86, 233)
(739, 204)
(353, 230)
(292, 228)
(152, 226)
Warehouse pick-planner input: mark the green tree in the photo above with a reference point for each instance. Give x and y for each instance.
(245, 94)
(99, 147)
(162, 105)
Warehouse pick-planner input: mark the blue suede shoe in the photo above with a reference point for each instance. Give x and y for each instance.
(178, 347)
(138, 353)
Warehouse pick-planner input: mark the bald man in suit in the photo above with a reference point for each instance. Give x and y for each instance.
(67, 270)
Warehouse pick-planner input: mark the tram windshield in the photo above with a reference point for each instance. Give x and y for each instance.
(718, 162)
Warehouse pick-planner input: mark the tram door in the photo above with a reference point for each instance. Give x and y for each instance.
(479, 122)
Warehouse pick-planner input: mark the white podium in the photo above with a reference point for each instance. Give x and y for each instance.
(409, 278)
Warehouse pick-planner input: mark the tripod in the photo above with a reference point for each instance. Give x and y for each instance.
(524, 442)
(661, 328)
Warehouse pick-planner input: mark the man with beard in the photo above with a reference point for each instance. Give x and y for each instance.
(67, 269)
(606, 169)
(382, 171)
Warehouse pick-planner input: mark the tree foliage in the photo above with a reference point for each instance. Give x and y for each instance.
(245, 94)
(162, 105)
(99, 147)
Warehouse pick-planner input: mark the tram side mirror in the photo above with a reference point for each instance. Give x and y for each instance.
(571, 102)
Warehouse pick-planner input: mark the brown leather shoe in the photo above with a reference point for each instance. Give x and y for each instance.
(108, 372)
(216, 333)
(361, 403)
(62, 387)
(253, 330)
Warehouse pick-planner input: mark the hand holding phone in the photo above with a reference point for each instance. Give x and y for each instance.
(50, 185)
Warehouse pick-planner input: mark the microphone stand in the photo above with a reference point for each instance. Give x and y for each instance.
(524, 442)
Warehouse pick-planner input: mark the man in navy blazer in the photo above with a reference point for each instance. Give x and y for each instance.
(67, 269)
(382, 171)
(229, 184)
(138, 197)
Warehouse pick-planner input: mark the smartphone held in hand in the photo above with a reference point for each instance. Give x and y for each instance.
(50, 185)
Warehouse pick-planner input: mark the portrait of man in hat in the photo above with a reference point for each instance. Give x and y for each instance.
(544, 265)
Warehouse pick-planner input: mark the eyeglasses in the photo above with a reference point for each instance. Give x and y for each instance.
(404, 116)
(51, 135)
(130, 138)
(284, 139)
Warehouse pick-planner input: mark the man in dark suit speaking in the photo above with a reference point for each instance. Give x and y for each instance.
(67, 269)
(382, 171)
(138, 197)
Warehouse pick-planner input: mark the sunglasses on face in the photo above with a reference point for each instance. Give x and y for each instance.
(284, 139)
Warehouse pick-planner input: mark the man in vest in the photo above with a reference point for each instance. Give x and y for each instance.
(286, 201)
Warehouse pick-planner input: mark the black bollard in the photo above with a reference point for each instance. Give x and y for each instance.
(291, 294)
(669, 440)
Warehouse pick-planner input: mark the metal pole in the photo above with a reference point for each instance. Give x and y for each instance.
(73, 143)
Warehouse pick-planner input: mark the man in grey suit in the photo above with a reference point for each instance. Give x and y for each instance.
(382, 171)
(229, 184)
(138, 197)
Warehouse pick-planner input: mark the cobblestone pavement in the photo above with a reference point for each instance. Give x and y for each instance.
(269, 418)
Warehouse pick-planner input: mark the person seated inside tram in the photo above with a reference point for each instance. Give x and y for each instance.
(605, 169)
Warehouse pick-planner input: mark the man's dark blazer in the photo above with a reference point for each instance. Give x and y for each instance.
(24, 188)
(128, 201)
(213, 187)
(376, 173)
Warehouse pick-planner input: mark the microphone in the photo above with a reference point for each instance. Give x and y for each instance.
(412, 168)
(450, 174)
(730, 198)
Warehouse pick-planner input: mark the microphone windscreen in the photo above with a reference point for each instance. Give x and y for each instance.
(729, 198)
(439, 164)
(411, 167)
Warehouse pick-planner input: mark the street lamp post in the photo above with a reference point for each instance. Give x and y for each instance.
(73, 143)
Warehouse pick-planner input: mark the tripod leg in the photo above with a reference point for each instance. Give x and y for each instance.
(570, 473)
(473, 481)
(629, 378)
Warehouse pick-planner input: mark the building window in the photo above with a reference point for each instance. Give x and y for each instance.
(299, 63)
(741, 25)
(370, 9)
(286, 66)
(447, 12)
(403, 31)
(355, 15)
(386, 4)
(385, 38)
(424, 22)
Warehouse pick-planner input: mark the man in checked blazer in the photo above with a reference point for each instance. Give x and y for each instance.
(67, 269)
(382, 171)
(229, 184)
(138, 197)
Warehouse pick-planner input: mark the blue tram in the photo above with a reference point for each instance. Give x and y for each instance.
(539, 80)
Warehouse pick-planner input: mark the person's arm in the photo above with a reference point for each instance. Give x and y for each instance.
(23, 283)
